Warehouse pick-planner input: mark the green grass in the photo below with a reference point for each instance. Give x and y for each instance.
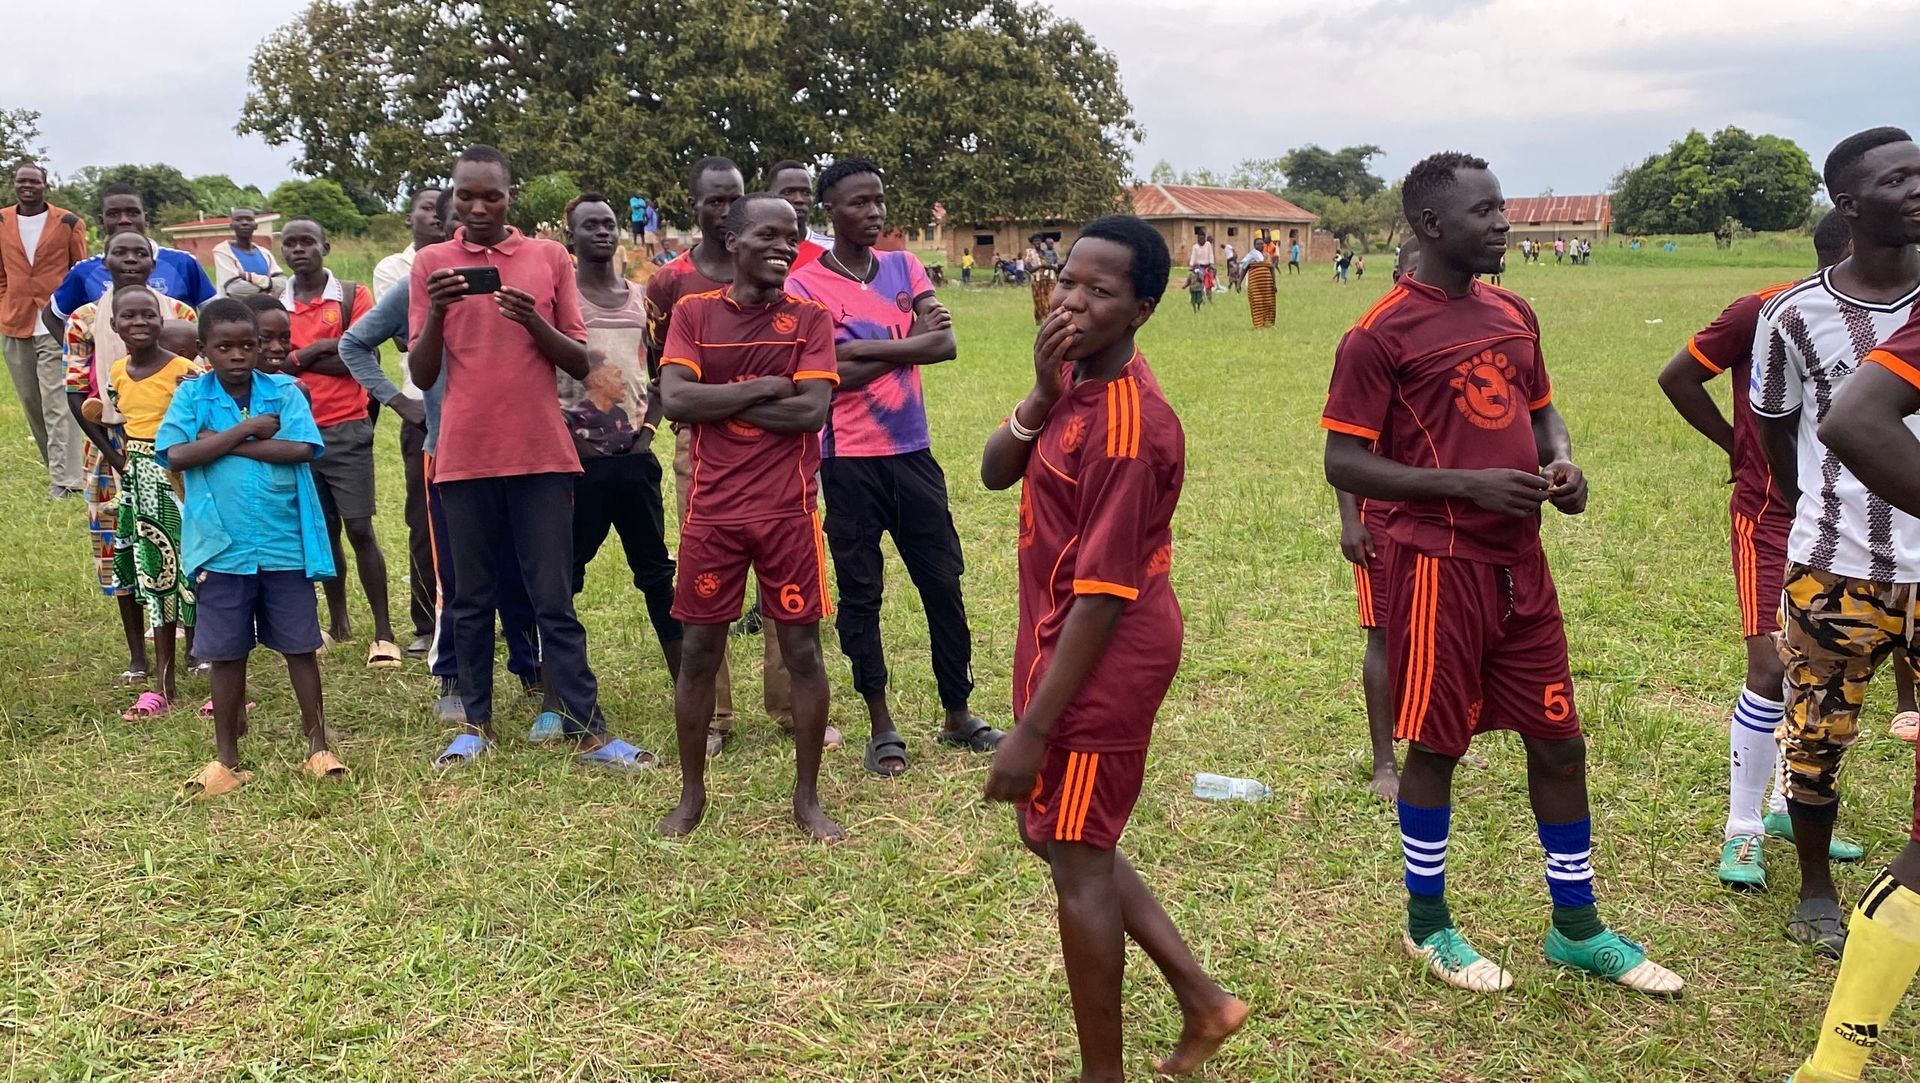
(519, 921)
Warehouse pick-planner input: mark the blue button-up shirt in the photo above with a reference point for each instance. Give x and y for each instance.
(244, 516)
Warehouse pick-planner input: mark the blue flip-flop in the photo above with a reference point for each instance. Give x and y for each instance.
(463, 750)
(618, 755)
(550, 726)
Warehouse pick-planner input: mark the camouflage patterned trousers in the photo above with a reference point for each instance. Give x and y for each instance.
(1837, 631)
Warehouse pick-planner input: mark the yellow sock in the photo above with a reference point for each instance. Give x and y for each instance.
(1883, 951)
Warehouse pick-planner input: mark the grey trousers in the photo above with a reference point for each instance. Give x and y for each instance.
(40, 379)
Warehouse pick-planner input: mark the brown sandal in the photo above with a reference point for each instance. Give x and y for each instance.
(216, 779)
(324, 764)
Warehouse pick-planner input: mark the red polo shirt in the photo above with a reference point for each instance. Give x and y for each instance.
(501, 416)
(336, 399)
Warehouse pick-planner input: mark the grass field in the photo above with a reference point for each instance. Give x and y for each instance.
(519, 920)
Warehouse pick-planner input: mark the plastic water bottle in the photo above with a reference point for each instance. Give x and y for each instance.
(1221, 788)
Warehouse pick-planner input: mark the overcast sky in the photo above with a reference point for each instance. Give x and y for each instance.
(1215, 81)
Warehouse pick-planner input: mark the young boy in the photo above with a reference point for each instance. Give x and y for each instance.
(750, 371)
(1440, 401)
(320, 309)
(1196, 288)
(1100, 457)
(254, 536)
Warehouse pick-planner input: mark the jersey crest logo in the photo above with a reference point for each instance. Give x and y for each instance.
(1073, 434)
(785, 324)
(706, 584)
(1486, 394)
(1026, 518)
(1161, 562)
(904, 300)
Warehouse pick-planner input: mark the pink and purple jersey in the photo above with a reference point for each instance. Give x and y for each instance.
(889, 415)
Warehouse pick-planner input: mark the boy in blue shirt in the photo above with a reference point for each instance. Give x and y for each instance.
(254, 537)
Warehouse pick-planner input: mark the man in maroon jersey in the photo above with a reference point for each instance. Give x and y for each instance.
(749, 369)
(1440, 402)
(1762, 519)
(1100, 458)
(713, 186)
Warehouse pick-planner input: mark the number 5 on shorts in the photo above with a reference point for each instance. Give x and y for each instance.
(791, 599)
(1555, 701)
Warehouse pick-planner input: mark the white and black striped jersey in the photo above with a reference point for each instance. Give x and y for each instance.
(1810, 338)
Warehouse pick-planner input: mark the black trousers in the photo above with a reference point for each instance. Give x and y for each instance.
(622, 493)
(413, 443)
(536, 512)
(905, 496)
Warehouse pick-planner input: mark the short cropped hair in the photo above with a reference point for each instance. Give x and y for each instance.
(228, 310)
(1431, 176)
(1844, 159)
(712, 163)
(841, 170)
(566, 214)
(737, 214)
(481, 152)
(1152, 263)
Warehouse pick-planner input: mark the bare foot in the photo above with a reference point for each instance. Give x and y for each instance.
(1385, 784)
(684, 817)
(1202, 1035)
(817, 823)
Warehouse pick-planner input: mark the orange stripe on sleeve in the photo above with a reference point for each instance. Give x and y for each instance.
(1895, 365)
(1099, 586)
(815, 374)
(1541, 401)
(1703, 359)
(688, 362)
(1349, 429)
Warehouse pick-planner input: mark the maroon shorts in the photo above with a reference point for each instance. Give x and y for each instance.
(1760, 567)
(1474, 647)
(1370, 585)
(1084, 796)
(787, 555)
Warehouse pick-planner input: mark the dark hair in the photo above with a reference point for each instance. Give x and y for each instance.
(841, 170)
(298, 218)
(712, 163)
(32, 165)
(566, 214)
(480, 152)
(1847, 154)
(122, 188)
(1152, 263)
(443, 208)
(737, 214)
(414, 196)
(782, 166)
(255, 302)
(1429, 177)
(228, 310)
(128, 291)
(1831, 237)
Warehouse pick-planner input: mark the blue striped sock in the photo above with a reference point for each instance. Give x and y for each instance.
(1569, 862)
(1423, 841)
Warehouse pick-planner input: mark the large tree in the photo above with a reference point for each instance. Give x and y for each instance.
(163, 188)
(1761, 182)
(322, 200)
(1312, 169)
(990, 106)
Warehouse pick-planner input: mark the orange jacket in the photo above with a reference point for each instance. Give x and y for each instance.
(25, 289)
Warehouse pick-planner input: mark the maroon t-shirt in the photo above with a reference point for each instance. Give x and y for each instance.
(1096, 515)
(740, 472)
(1726, 345)
(1448, 383)
(677, 278)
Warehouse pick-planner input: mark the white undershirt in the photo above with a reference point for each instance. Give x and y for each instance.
(31, 227)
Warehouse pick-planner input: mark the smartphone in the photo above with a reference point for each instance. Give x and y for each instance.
(480, 279)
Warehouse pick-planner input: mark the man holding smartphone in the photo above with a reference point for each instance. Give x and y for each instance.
(505, 462)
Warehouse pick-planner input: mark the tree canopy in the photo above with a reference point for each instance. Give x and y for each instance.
(166, 191)
(1761, 182)
(322, 200)
(993, 107)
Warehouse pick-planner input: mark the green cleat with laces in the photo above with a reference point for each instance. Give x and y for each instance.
(1742, 864)
(1451, 959)
(1780, 826)
(1615, 958)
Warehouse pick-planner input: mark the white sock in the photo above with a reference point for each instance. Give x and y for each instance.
(1752, 760)
(1778, 802)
